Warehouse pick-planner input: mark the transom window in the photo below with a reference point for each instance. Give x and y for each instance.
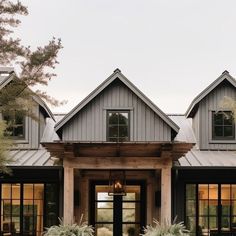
(222, 125)
(15, 125)
(118, 126)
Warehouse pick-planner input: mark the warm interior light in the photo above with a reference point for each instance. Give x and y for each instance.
(117, 183)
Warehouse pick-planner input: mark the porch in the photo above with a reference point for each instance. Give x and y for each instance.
(87, 166)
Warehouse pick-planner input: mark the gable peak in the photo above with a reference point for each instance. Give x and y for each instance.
(225, 72)
(117, 70)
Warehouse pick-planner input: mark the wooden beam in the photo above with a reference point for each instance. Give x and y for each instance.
(166, 194)
(68, 195)
(101, 163)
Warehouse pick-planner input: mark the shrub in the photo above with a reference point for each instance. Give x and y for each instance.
(81, 229)
(165, 229)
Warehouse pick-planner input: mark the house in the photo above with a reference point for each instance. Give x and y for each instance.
(123, 163)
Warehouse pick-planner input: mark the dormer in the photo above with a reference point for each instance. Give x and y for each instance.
(214, 130)
(26, 132)
(116, 111)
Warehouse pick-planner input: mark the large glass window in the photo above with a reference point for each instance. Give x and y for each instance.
(211, 209)
(222, 125)
(23, 208)
(118, 126)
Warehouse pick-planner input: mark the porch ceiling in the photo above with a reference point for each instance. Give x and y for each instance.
(162, 150)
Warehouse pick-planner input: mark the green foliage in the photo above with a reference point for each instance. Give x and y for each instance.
(81, 229)
(5, 144)
(165, 229)
(228, 104)
(35, 68)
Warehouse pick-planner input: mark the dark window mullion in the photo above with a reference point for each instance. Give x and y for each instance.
(21, 207)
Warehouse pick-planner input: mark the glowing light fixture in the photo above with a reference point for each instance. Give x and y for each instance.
(117, 183)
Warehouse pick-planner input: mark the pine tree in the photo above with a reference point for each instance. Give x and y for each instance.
(36, 68)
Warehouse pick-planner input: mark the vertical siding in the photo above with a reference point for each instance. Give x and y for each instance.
(90, 123)
(195, 125)
(204, 123)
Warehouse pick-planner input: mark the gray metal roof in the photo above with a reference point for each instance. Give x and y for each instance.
(31, 157)
(185, 133)
(197, 158)
(49, 134)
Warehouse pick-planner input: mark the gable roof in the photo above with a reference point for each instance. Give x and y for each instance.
(4, 80)
(116, 75)
(225, 76)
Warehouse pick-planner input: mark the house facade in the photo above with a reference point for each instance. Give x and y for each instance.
(121, 162)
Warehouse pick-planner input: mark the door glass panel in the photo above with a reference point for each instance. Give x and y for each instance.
(104, 229)
(203, 225)
(6, 191)
(203, 207)
(233, 191)
(132, 193)
(203, 191)
(225, 223)
(15, 191)
(131, 230)
(225, 191)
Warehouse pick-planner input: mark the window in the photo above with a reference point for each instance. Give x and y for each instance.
(210, 209)
(15, 125)
(118, 126)
(222, 125)
(26, 208)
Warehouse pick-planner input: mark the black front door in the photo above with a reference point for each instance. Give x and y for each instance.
(118, 215)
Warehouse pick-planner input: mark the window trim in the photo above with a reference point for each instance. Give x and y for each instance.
(223, 139)
(107, 123)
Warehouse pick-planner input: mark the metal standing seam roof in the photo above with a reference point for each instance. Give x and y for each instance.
(198, 158)
(31, 157)
(36, 157)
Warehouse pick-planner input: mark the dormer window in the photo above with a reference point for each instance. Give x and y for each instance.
(117, 126)
(223, 126)
(15, 126)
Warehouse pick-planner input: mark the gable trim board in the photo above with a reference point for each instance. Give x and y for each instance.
(116, 75)
(194, 105)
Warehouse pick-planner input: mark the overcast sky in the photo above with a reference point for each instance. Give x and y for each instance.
(171, 50)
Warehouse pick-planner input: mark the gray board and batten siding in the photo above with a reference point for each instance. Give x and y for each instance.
(202, 107)
(208, 105)
(89, 124)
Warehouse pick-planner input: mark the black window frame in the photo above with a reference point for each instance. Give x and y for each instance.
(224, 114)
(220, 215)
(12, 128)
(46, 220)
(107, 125)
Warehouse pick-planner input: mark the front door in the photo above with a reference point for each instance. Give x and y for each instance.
(117, 215)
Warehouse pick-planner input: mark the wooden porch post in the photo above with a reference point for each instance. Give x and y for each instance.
(166, 194)
(68, 195)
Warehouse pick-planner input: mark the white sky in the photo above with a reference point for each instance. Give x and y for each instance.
(171, 50)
